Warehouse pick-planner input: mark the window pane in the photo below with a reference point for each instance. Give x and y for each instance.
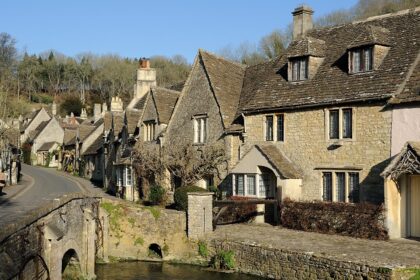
(347, 123)
(341, 187)
(327, 186)
(239, 184)
(303, 75)
(295, 70)
(204, 128)
(264, 184)
(280, 127)
(354, 187)
(368, 59)
(356, 61)
(333, 124)
(129, 177)
(250, 181)
(269, 128)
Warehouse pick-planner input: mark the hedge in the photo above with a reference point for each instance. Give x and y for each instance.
(360, 220)
(240, 213)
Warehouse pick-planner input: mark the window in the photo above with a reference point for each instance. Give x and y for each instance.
(280, 127)
(353, 187)
(124, 175)
(299, 68)
(340, 186)
(327, 186)
(129, 176)
(149, 130)
(200, 129)
(347, 123)
(341, 123)
(240, 190)
(269, 128)
(334, 129)
(264, 185)
(361, 60)
(250, 182)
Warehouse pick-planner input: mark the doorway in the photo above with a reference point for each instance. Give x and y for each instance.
(414, 206)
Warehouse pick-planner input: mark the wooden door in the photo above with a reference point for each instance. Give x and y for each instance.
(415, 206)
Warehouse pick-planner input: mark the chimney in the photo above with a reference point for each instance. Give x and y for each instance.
(54, 109)
(104, 108)
(146, 78)
(83, 114)
(302, 21)
(116, 104)
(97, 110)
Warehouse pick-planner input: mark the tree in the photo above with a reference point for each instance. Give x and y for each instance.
(273, 44)
(7, 52)
(71, 104)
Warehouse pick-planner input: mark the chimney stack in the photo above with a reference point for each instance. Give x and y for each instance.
(83, 114)
(104, 108)
(146, 78)
(302, 21)
(54, 109)
(144, 63)
(116, 104)
(97, 110)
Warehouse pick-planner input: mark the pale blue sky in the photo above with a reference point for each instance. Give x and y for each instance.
(144, 28)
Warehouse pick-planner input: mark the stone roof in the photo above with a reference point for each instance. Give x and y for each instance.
(406, 162)
(34, 133)
(69, 137)
(133, 117)
(177, 87)
(118, 121)
(371, 35)
(95, 146)
(107, 121)
(266, 86)
(234, 128)
(226, 78)
(165, 100)
(46, 146)
(307, 46)
(139, 105)
(84, 131)
(283, 165)
(411, 90)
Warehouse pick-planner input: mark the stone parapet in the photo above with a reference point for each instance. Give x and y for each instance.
(200, 214)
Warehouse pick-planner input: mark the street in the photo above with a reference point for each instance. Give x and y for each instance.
(37, 186)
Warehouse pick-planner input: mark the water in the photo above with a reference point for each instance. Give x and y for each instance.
(164, 271)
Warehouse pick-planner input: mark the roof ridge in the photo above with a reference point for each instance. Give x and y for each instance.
(166, 89)
(222, 58)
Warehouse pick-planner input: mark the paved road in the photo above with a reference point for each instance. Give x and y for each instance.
(37, 186)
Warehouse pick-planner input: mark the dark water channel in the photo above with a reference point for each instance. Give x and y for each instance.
(161, 271)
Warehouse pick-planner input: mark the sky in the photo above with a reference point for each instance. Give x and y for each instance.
(145, 28)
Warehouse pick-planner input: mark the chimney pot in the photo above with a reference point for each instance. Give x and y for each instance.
(144, 63)
(302, 21)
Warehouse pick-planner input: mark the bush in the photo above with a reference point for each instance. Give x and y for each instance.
(157, 195)
(42, 98)
(238, 213)
(71, 104)
(216, 191)
(357, 220)
(202, 249)
(224, 260)
(181, 197)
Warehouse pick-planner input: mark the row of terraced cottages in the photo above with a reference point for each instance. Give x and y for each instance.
(335, 118)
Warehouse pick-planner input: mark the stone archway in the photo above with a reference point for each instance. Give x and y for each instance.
(155, 251)
(70, 265)
(35, 268)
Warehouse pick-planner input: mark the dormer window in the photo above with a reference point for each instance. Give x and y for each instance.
(149, 129)
(299, 68)
(361, 60)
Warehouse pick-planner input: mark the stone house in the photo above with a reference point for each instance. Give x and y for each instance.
(205, 111)
(31, 122)
(68, 151)
(44, 136)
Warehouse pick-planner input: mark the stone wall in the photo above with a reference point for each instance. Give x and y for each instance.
(282, 264)
(307, 145)
(129, 230)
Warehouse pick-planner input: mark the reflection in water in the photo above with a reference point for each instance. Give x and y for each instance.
(161, 271)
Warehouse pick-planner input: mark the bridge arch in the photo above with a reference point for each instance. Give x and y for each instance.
(155, 251)
(35, 264)
(70, 262)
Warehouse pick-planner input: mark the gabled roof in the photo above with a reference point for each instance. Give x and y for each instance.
(307, 46)
(84, 131)
(95, 146)
(107, 121)
(283, 165)
(226, 78)
(118, 121)
(34, 134)
(133, 117)
(164, 100)
(406, 162)
(139, 103)
(371, 35)
(69, 137)
(46, 146)
(266, 86)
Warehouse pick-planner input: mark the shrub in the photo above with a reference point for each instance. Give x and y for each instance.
(216, 191)
(224, 260)
(181, 197)
(42, 98)
(71, 104)
(156, 195)
(360, 220)
(202, 249)
(238, 213)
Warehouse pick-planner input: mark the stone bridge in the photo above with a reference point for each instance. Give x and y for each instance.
(44, 242)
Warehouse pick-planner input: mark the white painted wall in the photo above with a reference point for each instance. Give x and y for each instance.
(405, 126)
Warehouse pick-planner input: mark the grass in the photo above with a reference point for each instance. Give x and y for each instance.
(115, 214)
(416, 275)
(139, 241)
(202, 249)
(154, 210)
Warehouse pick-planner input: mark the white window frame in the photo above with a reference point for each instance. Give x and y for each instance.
(246, 194)
(361, 53)
(334, 184)
(129, 176)
(200, 128)
(340, 124)
(297, 62)
(149, 131)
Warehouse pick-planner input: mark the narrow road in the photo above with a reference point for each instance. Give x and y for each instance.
(37, 186)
